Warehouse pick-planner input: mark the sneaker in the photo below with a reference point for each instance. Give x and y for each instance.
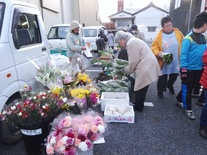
(179, 104)
(200, 103)
(171, 89)
(203, 131)
(190, 114)
(160, 94)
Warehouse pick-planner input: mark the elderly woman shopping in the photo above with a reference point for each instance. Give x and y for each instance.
(142, 63)
(75, 43)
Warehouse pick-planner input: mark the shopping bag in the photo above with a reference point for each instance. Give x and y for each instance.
(87, 53)
(80, 62)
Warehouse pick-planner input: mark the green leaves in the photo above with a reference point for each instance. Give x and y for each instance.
(168, 58)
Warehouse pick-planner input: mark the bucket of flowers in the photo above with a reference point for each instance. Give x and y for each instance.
(75, 134)
(85, 97)
(33, 113)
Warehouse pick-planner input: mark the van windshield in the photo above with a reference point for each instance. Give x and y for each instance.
(58, 32)
(89, 32)
(2, 9)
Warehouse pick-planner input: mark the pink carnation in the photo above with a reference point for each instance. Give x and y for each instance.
(67, 121)
(49, 149)
(94, 129)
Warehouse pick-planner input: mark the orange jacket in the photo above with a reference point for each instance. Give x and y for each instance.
(157, 44)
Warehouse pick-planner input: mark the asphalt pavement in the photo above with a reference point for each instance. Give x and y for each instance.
(161, 129)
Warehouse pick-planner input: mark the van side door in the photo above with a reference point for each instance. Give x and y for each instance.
(27, 38)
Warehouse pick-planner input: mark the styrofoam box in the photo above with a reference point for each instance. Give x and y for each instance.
(120, 118)
(114, 98)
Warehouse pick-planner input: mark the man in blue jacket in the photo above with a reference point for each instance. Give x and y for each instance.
(193, 47)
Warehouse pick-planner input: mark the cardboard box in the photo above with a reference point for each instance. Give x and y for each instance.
(114, 98)
(119, 118)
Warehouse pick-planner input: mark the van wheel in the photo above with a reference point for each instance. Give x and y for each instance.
(9, 133)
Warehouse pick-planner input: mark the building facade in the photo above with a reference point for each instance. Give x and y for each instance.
(64, 11)
(147, 19)
(183, 12)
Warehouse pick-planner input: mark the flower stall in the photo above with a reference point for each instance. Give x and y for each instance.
(64, 111)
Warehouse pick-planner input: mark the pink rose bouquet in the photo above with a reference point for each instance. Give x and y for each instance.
(73, 133)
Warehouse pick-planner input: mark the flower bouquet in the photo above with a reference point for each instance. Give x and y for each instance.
(34, 109)
(85, 97)
(32, 114)
(49, 75)
(83, 79)
(74, 134)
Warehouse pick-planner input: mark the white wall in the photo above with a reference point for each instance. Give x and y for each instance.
(149, 17)
(64, 11)
(67, 13)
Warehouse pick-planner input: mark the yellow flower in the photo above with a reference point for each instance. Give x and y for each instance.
(57, 90)
(81, 96)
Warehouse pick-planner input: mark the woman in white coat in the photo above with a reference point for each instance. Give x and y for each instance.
(142, 63)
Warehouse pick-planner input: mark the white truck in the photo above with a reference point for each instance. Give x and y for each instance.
(22, 37)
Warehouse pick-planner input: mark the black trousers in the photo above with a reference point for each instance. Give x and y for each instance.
(202, 97)
(163, 81)
(131, 90)
(197, 85)
(140, 98)
(187, 84)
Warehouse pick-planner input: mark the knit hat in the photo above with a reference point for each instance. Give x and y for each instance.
(74, 25)
(134, 27)
(120, 35)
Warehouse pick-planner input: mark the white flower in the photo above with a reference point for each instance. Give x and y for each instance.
(64, 139)
(42, 93)
(17, 103)
(83, 146)
(44, 107)
(13, 107)
(20, 113)
(4, 112)
(43, 97)
(53, 140)
(34, 97)
(101, 128)
(64, 99)
(42, 114)
(62, 148)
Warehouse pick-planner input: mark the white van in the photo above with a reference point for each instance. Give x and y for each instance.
(22, 37)
(56, 38)
(90, 34)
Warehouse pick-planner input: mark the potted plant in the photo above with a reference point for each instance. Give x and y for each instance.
(33, 113)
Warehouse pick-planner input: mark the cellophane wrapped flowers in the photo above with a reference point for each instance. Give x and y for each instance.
(73, 133)
(85, 96)
(34, 109)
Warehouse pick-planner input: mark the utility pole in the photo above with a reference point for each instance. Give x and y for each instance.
(189, 16)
